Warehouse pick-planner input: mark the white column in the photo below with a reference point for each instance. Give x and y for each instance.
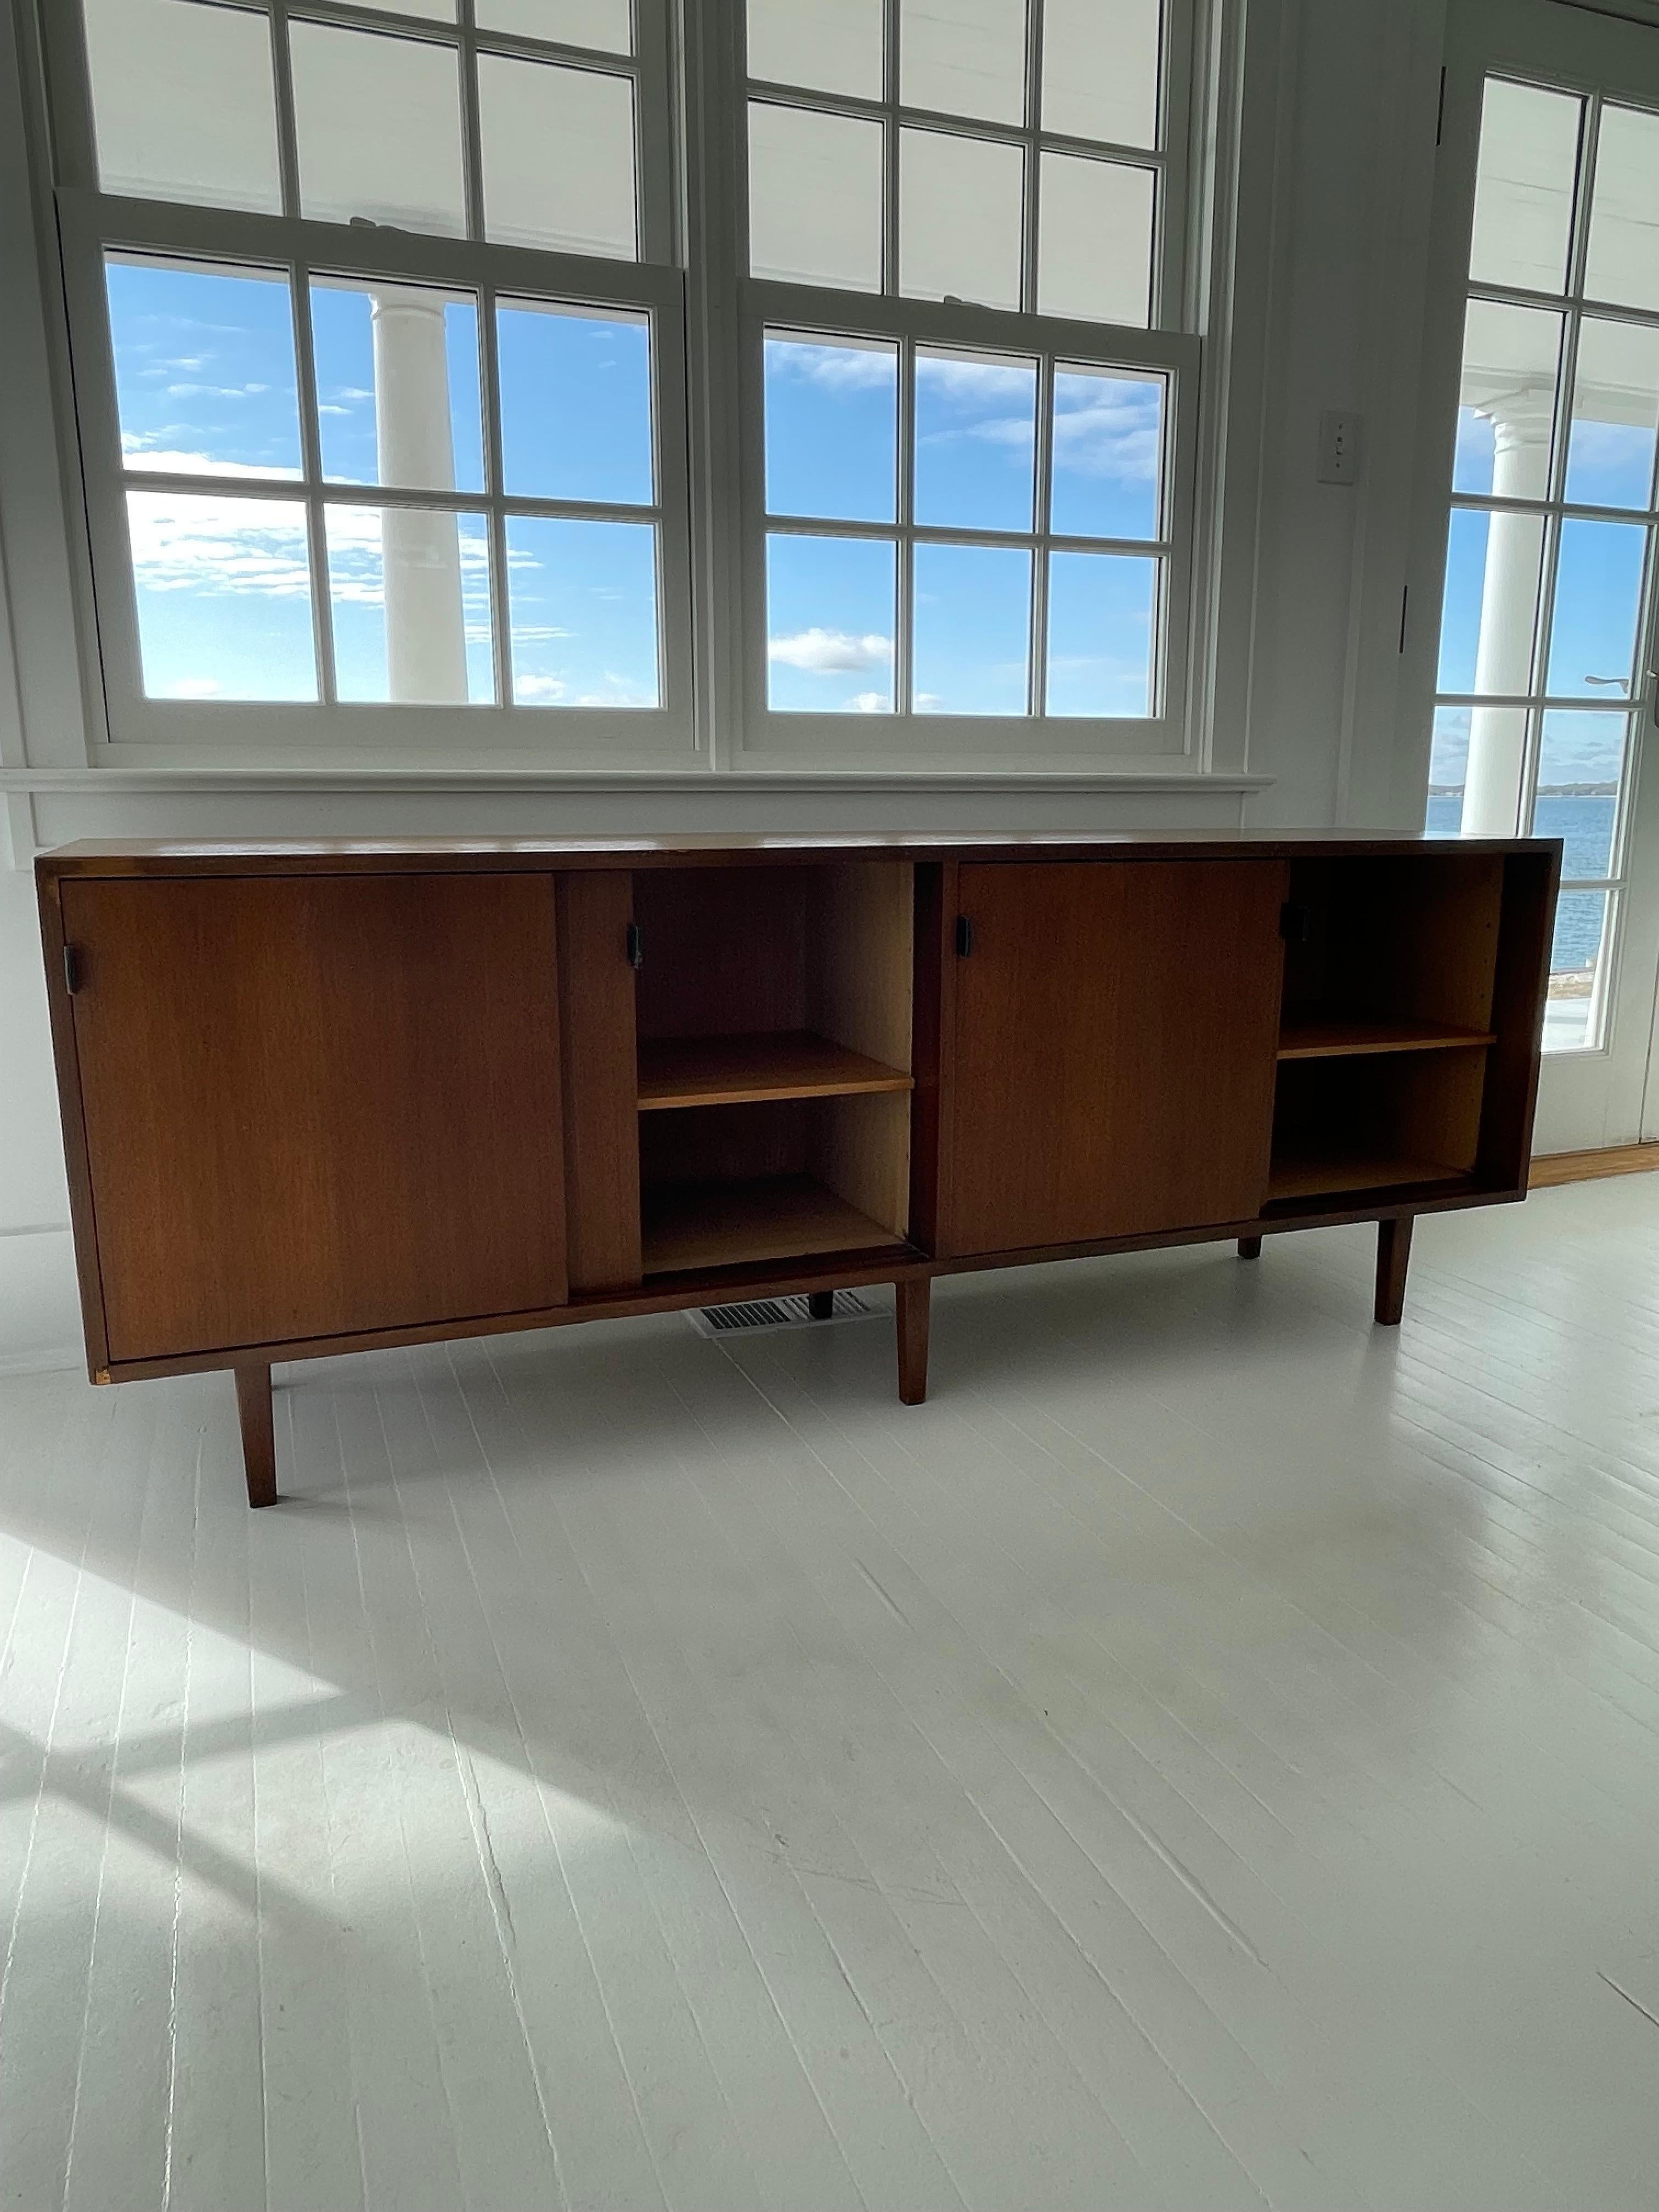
(425, 632)
(1509, 601)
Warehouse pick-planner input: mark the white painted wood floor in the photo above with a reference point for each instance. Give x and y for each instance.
(1203, 1757)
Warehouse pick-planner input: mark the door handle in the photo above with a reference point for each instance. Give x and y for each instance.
(964, 936)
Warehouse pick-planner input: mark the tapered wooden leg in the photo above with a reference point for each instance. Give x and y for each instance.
(911, 1303)
(258, 1438)
(821, 1305)
(1393, 1252)
(1249, 1248)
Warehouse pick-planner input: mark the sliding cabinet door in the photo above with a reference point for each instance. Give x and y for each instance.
(316, 1105)
(1115, 1031)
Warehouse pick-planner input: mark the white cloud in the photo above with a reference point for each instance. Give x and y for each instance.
(870, 702)
(968, 381)
(177, 461)
(216, 390)
(184, 543)
(1114, 432)
(194, 687)
(555, 691)
(830, 652)
(834, 367)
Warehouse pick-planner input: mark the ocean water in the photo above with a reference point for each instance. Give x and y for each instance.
(1585, 827)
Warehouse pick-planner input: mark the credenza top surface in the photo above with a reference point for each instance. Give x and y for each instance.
(333, 856)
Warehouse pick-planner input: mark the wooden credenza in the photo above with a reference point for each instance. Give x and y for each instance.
(323, 1097)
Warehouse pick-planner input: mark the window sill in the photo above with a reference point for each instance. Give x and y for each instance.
(118, 782)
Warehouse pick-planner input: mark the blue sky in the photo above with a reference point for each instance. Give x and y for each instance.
(206, 381)
(832, 416)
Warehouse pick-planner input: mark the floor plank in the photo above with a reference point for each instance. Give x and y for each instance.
(1203, 1757)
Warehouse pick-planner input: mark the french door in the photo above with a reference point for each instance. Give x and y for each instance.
(1538, 509)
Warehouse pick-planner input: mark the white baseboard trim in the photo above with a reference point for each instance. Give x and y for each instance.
(40, 1303)
(52, 1359)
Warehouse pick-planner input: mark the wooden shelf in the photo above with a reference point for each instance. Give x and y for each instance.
(1313, 1175)
(698, 1225)
(1334, 1040)
(732, 1071)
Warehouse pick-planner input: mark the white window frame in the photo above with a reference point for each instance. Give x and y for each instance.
(1034, 740)
(708, 320)
(91, 224)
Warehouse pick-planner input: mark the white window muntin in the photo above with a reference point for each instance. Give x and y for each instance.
(1033, 737)
(1166, 159)
(298, 251)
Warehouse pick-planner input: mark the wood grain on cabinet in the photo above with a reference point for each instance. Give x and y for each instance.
(1117, 1025)
(316, 1105)
(328, 1097)
(734, 1071)
(601, 1132)
(1531, 882)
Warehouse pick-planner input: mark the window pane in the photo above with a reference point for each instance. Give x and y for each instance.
(410, 591)
(205, 379)
(576, 403)
(1094, 241)
(379, 125)
(1581, 758)
(831, 427)
(435, 11)
(960, 217)
(224, 597)
(1572, 1019)
(1107, 471)
(834, 46)
(976, 441)
(829, 624)
(558, 157)
(1623, 262)
(1100, 60)
(963, 57)
(814, 196)
(1615, 414)
(583, 597)
(1449, 760)
(1523, 186)
(1598, 598)
(1493, 563)
(397, 385)
(1507, 400)
(1102, 612)
(972, 622)
(602, 24)
(183, 104)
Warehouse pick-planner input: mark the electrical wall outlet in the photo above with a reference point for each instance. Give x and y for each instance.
(1338, 447)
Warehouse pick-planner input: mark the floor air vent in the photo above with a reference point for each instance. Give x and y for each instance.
(779, 1313)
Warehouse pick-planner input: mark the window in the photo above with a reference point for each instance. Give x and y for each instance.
(382, 359)
(970, 406)
(1550, 550)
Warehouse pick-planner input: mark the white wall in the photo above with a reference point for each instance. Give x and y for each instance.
(1339, 103)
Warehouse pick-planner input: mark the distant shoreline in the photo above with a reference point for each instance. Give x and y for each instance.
(1545, 791)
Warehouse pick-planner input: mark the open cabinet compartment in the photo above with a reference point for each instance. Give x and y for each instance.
(774, 1025)
(1391, 970)
(1390, 954)
(1398, 1120)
